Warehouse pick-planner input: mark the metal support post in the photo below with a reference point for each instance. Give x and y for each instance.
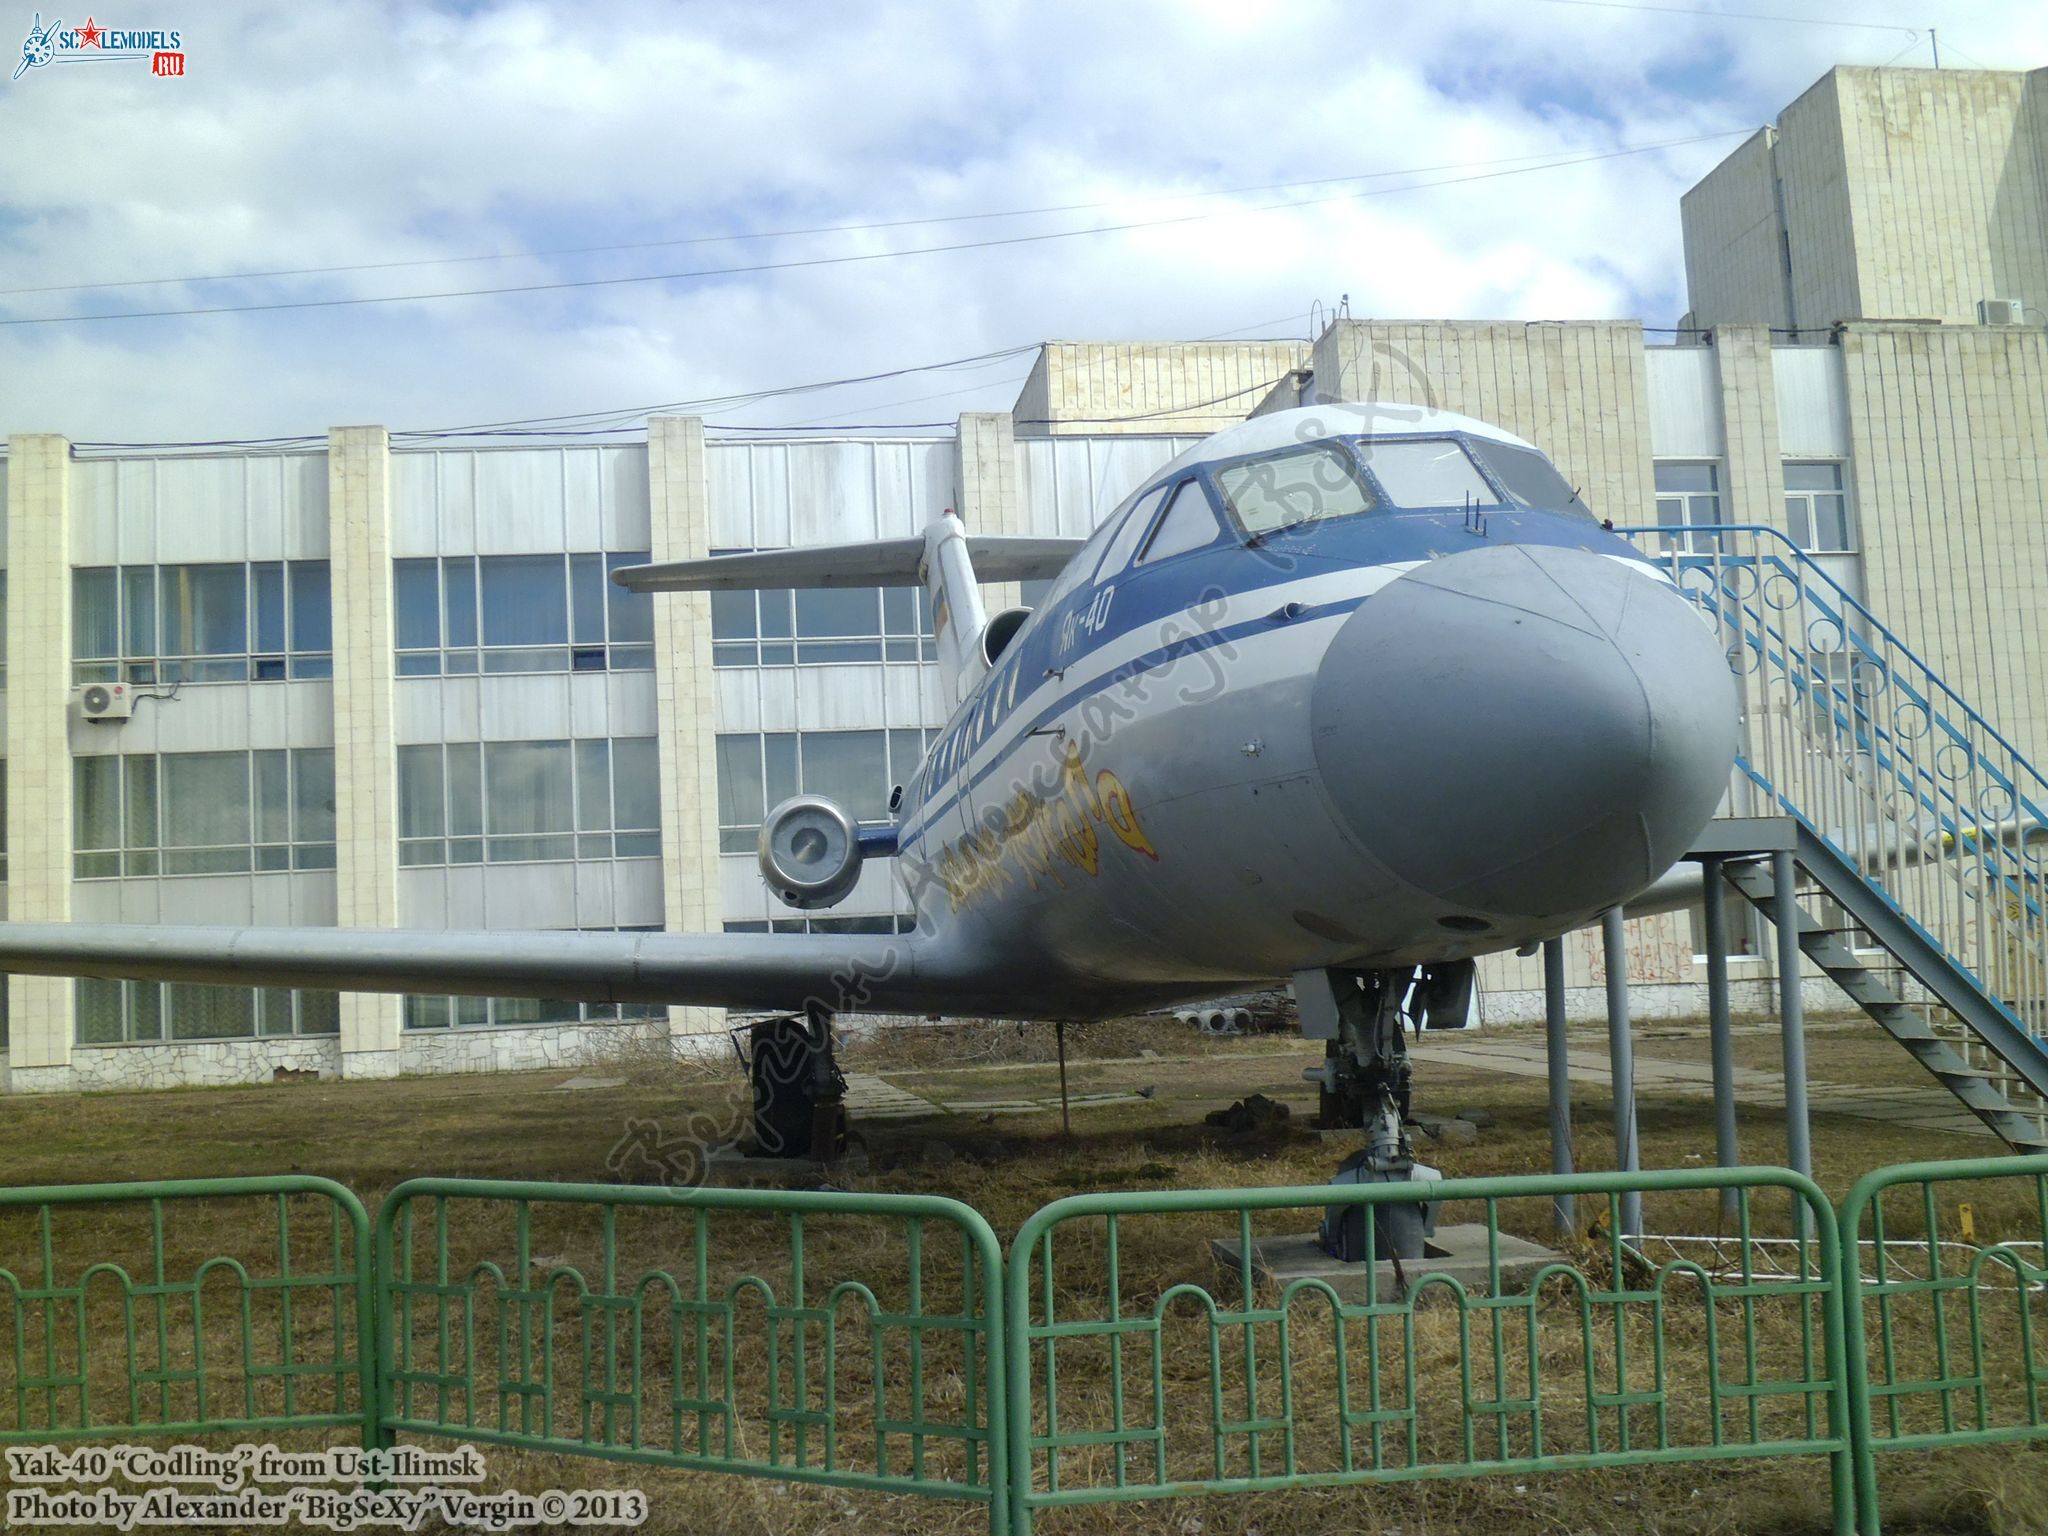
(1621, 1055)
(1560, 1077)
(1792, 1012)
(1720, 1032)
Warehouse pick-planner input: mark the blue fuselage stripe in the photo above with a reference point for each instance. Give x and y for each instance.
(1175, 590)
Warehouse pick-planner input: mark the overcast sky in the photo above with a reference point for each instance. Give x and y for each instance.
(352, 134)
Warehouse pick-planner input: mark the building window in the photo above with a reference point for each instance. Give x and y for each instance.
(512, 802)
(856, 768)
(818, 626)
(1817, 509)
(902, 922)
(514, 1012)
(1689, 496)
(149, 624)
(461, 615)
(130, 1012)
(202, 813)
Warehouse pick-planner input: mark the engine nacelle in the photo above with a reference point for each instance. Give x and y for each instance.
(810, 852)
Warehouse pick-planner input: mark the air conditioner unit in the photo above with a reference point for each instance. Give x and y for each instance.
(2001, 312)
(99, 703)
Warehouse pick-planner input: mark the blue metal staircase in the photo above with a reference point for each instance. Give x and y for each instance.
(1919, 823)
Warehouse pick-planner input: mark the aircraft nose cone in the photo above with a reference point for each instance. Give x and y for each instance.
(1524, 731)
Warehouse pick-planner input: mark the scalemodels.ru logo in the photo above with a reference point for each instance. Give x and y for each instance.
(162, 51)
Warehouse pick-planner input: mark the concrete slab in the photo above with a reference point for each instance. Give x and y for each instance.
(1458, 1251)
(870, 1098)
(729, 1168)
(584, 1080)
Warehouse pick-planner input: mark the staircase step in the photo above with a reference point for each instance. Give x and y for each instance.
(1941, 1040)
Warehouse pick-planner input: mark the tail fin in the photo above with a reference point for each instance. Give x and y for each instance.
(948, 562)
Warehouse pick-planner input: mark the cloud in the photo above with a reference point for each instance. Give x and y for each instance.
(365, 133)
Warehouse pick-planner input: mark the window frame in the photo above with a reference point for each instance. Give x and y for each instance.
(139, 776)
(149, 662)
(1699, 537)
(1850, 544)
(743, 837)
(1344, 449)
(579, 650)
(894, 642)
(465, 835)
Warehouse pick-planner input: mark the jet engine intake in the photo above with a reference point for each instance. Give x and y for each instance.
(810, 852)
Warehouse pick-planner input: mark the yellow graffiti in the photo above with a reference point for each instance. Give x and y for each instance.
(1037, 840)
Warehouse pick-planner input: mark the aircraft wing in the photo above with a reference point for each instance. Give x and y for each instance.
(846, 972)
(877, 563)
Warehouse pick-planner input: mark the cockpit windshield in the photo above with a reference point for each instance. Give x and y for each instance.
(1286, 490)
(1529, 477)
(1426, 472)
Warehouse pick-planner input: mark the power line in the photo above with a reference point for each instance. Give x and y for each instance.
(766, 234)
(857, 257)
(713, 402)
(1694, 10)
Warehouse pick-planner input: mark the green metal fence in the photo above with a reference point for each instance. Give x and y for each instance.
(1945, 1292)
(550, 1316)
(268, 1335)
(879, 1341)
(1563, 1365)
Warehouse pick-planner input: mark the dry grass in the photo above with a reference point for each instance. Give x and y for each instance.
(371, 1136)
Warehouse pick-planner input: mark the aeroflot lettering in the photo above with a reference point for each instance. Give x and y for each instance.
(1044, 838)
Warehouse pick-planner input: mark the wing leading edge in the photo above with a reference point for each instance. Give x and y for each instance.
(846, 972)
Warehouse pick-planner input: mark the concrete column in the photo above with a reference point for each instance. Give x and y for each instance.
(38, 745)
(365, 743)
(988, 497)
(684, 692)
(1754, 487)
(1621, 1057)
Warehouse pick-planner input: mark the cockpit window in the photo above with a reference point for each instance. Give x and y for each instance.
(1118, 555)
(1430, 472)
(1530, 478)
(1188, 524)
(1289, 489)
(1082, 567)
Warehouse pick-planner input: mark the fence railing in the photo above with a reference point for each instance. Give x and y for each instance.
(777, 1333)
(159, 1331)
(1845, 727)
(882, 1342)
(1483, 1368)
(1952, 1336)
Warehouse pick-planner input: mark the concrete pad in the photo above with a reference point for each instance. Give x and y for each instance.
(729, 1168)
(584, 1080)
(870, 1098)
(1459, 1252)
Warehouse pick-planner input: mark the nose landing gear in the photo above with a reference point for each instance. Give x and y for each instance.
(1366, 1081)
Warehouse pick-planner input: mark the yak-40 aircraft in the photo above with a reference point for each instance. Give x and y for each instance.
(1344, 697)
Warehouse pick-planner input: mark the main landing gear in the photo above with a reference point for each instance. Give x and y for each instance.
(799, 1093)
(1366, 1081)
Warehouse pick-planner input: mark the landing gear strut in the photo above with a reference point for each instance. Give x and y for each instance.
(799, 1094)
(1366, 1081)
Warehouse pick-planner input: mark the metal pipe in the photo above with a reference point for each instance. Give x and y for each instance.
(1560, 1079)
(1720, 1032)
(1621, 1056)
(1066, 1113)
(1792, 1011)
